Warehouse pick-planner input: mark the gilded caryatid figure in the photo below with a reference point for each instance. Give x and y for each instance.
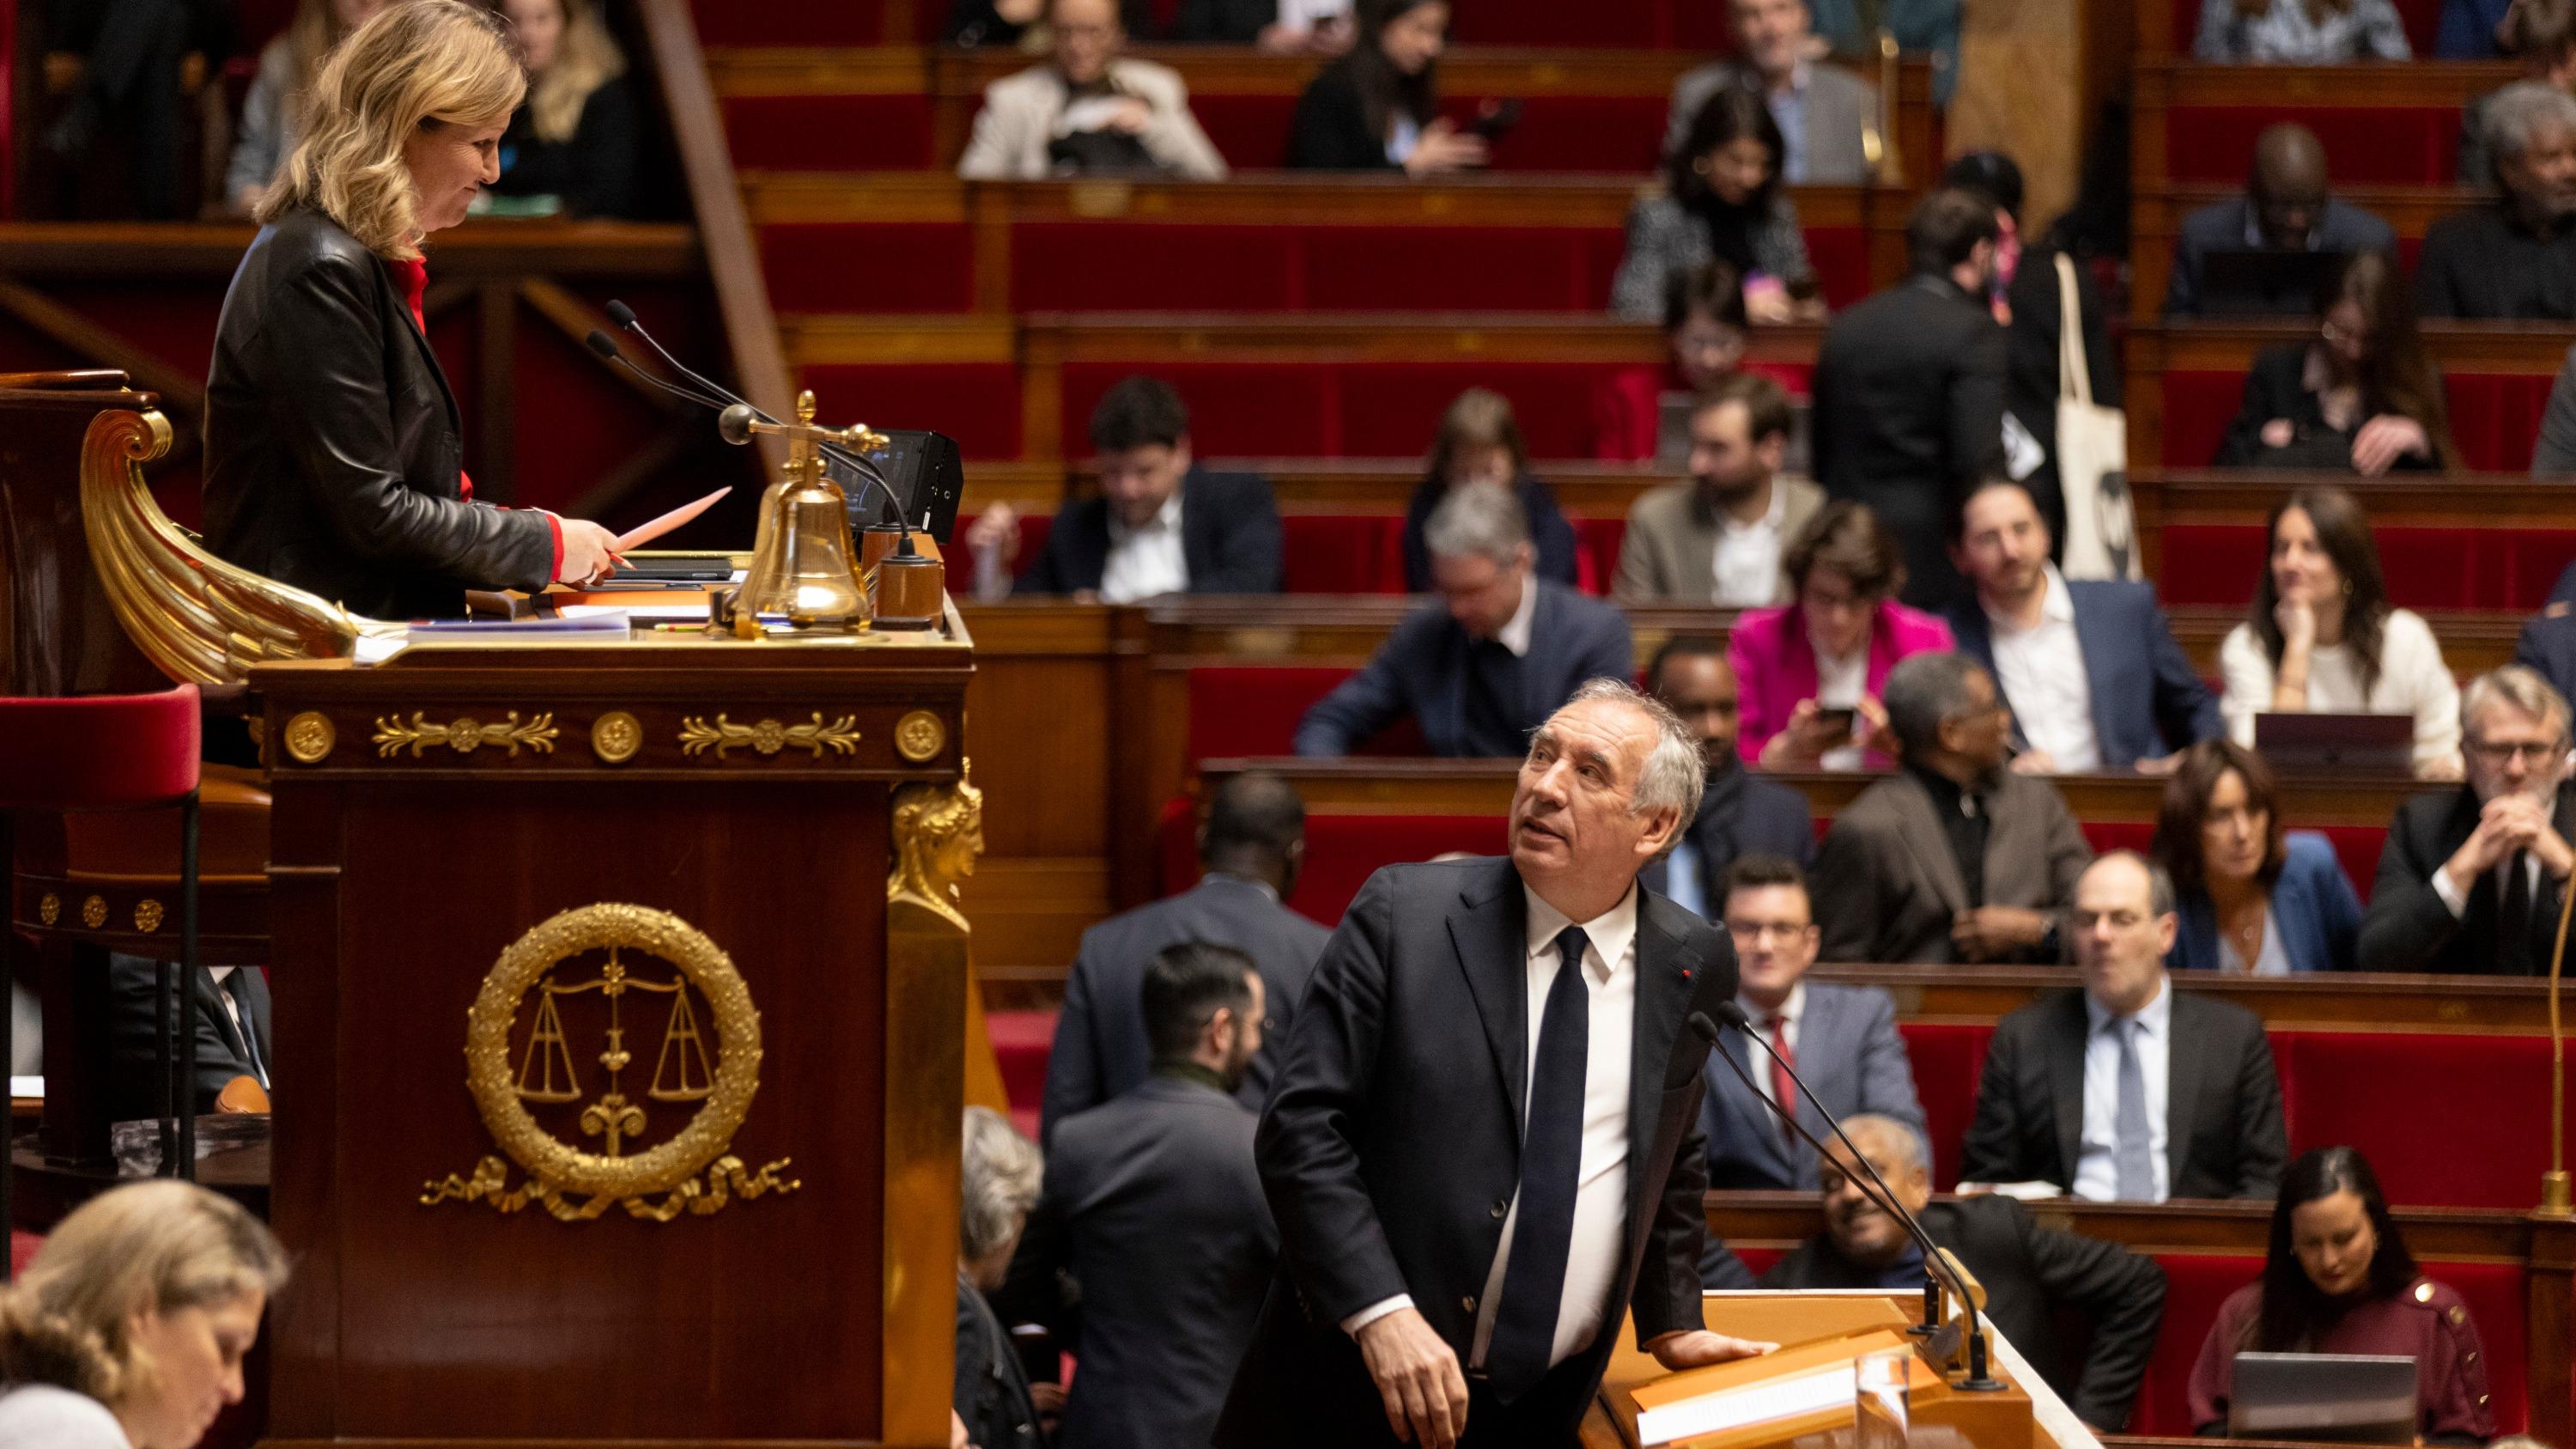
(938, 833)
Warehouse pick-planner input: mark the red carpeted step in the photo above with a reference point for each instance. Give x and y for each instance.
(1021, 1040)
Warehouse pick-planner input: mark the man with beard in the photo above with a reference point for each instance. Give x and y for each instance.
(1740, 813)
(1716, 538)
(2287, 207)
(2516, 256)
(1151, 1243)
(2471, 877)
(2030, 1273)
(1952, 858)
(2090, 670)
(1825, 113)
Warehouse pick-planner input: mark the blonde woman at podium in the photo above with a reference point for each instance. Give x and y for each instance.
(129, 1328)
(334, 450)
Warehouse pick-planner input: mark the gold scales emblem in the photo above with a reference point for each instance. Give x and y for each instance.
(694, 1170)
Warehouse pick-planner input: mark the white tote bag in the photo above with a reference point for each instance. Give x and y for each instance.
(2092, 456)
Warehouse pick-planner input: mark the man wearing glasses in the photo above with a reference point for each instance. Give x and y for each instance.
(2472, 877)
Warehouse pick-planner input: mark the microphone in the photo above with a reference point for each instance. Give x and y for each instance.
(606, 347)
(717, 397)
(1935, 1266)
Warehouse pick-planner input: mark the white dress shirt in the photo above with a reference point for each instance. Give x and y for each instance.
(1747, 564)
(2041, 669)
(1759, 1061)
(1839, 685)
(2458, 901)
(2413, 679)
(2095, 1178)
(1601, 1179)
(1515, 633)
(1147, 561)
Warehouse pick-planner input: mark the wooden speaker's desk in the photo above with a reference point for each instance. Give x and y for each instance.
(626, 1081)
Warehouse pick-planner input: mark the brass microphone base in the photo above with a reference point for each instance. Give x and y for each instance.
(2555, 1200)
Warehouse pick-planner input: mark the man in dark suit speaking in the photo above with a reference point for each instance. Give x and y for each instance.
(1483, 1142)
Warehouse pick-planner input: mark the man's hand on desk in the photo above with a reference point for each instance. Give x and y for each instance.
(1698, 1348)
(996, 528)
(1417, 1378)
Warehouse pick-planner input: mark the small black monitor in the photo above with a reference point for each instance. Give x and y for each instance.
(926, 477)
(2261, 282)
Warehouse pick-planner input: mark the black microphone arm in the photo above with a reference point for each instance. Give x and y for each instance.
(1935, 1267)
(717, 398)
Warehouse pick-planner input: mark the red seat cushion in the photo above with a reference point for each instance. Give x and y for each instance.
(1353, 409)
(2382, 145)
(2367, 1089)
(1947, 1059)
(977, 403)
(1343, 851)
(1342, 554)
(102, 751)
(2466, 567)
(2195, 1286)
(1245, 709)
(879, 267)
(829, 133)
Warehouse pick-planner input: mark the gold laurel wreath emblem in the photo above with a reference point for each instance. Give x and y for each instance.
(569, 1182)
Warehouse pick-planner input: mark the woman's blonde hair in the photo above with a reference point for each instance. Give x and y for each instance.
(147, 1246)
(586, 58)
(309, 38)
(417, 66)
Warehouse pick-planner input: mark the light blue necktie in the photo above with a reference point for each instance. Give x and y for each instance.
(2133, 1160)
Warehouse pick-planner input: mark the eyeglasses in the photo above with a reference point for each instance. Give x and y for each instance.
(2500, 752)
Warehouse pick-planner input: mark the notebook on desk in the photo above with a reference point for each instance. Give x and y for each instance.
(2345, 743)
(2342, 1397)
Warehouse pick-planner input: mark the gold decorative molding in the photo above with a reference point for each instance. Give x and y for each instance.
(49, 908)
(616, 736)
(309, 737)
(938, 833)
(465, 735)
(94, 912)
(147, 915)
(919, 736)
(661, 1182)
(769, 736)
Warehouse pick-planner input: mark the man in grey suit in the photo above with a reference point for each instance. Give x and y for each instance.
(1253, 843)
(2128, 1090)
(1824, 112)
(2286, 208)
(1151, 1243)
(1842, 1039)
(1717, 536)
(1953, 858)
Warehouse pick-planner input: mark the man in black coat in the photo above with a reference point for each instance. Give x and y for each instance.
(1253, 844)
(2030, 1273)
(1480, 666)
(2069, 1097)
(232, 1032)
(1151, 1243)
(1483, 1145)
(1909, 391)
(2471, 876)
(1740, 813)
(1160, 524)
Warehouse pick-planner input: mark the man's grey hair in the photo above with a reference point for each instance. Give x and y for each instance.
(1480, 520)
(1922, 691)
(1911, 1149)
(2518, 685)
(2160, 886)
(999, 1184)
(1675, 772)
(2516, 116)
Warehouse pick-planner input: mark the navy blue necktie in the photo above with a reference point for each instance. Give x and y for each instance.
(1524, 1340)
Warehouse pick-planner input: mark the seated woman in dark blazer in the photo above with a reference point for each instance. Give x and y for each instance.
(1722, 198)
(1378, 108)
(2338, 1279)
(576, 137)
(2252, 899)
(1480, 442)
(2361, 396)
(334, 453)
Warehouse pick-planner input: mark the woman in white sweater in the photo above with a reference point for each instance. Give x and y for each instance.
(129, 1328)
(2322, 638)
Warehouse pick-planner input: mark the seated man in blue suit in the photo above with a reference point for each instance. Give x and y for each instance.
(1488, 661)
(1160, 524)
(2090, 669)
(2287, 207)
(1740, 813)
(1842, 1039)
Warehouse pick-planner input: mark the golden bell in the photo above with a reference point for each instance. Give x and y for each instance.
(803, 564)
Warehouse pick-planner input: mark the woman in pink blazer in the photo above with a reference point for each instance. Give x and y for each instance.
(1808, 675)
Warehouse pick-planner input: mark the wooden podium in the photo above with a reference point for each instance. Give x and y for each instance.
(2024, 1414)
(619, 986)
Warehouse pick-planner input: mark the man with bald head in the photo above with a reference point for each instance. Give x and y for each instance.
(2286, 208)
(2030, 1273)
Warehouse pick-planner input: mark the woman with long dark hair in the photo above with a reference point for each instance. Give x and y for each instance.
(1722, 198)
(2253, 899)
(2338, 1279)
(1378, 108)
(1480, 442)
(2322, 638)
(2361, 395)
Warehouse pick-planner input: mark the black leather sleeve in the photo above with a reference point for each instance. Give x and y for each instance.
(319, 342)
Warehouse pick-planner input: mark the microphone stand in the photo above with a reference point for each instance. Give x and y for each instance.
(1979, 1378)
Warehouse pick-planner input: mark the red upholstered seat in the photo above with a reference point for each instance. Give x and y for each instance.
(2464, 567)
(1556, 133)
(1021, 1041)
(728, 22)
(1947, 1059)
(1342, 554)
(2373, 145)
(1243, 709)
(99, 752)
(2357, 847)
(2494, 416)
(879, 267)
(1342, 851)
(1354, 409)
(830, 133)
(1597, 540)
(2432, 1147)
(977, 403)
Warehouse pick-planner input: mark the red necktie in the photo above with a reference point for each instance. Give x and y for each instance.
(1784, 1088)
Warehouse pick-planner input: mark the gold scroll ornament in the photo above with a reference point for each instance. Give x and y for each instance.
(694, 1171)
(466, 735)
